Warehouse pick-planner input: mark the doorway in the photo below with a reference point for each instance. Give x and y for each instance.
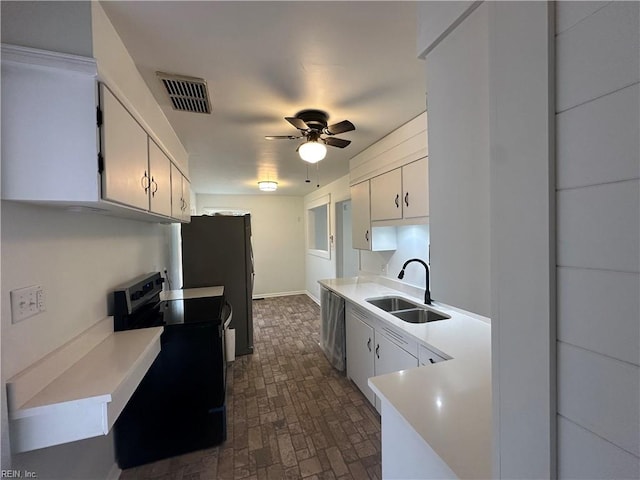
(347, 258)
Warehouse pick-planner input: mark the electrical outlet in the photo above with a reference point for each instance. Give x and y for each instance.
(27, 302)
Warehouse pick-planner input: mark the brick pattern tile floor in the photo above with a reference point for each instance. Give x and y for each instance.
(290, 414)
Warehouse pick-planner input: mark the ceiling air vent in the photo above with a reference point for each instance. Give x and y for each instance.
(187, 94)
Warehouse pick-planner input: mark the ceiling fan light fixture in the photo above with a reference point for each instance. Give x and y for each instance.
(312, 151)
(268, 186)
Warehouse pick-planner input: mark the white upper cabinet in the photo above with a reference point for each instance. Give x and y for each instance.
(386, 196)
(125, 155)
(415, 189)
(186, 197)
(160, 186)
(68, 141)
(390, 186)
(402, 193)
(361, 220)
(180, 196)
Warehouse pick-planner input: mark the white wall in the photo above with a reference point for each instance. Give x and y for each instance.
(522, 237)
(38, 25)
(117, 69)
(596, 207)
(317, 267)
(277, 228)
(458, 129)
(598, 210)
(63, 251)
(78, 259)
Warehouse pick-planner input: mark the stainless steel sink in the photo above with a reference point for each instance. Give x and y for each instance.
(419, 315)
(390, 303)
(406, 310)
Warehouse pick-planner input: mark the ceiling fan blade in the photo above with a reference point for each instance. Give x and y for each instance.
(340, 127)
(336, 142)
(296, 122)
(281, 137)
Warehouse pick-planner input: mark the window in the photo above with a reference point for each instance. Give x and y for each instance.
(318, 227)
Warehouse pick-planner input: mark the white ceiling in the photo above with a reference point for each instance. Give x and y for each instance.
(266, 60)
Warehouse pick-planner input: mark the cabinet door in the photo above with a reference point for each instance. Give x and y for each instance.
(125, 178)
(361, 217)
(427, 356)
(160, 188)
(360, 341)
(389, 357)
(386, 196)
(186, 197)
(177, 201)
(415, 183)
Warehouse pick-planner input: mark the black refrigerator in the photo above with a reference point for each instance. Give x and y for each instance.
(216, 250)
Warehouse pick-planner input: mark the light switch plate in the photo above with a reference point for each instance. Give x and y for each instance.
(27, 302)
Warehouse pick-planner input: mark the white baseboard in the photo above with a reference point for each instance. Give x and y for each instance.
(114, 473)
(310, 295)
(278, 294)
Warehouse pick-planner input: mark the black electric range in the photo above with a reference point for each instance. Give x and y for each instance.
(180, 405)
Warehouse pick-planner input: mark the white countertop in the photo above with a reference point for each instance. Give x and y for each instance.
(449, 403)
(188, 293)
(79, 389)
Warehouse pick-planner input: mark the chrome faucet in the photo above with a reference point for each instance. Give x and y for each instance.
(427, 292)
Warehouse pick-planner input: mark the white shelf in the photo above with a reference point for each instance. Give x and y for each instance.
(188, 293)
(79, 390)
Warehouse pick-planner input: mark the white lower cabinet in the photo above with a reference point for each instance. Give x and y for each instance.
(390, 358)
(370, 352)
(360, 357)
(428, 357)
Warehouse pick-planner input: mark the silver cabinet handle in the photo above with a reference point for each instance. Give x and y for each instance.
(406, 199)
(369, 344)
(378, 350)
(397, 200)
(366, 235)
(431, 360)
(144, 181)
(154, 190)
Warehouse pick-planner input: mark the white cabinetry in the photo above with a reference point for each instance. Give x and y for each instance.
(125, 155)
(360, 348)
(427, 356)
(180, 196)
(361, 220)
(364, 236)
(415, 189)
(386, 191)
(68, 141)
(160, 180)
(370, 352)
(390, 357)
(402, 193)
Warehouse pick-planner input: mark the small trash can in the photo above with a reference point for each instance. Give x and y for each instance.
(230, 344)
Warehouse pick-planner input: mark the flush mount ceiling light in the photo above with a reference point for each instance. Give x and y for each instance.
(312, 151)
(268, 186)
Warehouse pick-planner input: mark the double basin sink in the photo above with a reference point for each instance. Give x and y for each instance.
(406, 310)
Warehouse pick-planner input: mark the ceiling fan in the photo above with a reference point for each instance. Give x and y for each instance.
(313, 127)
